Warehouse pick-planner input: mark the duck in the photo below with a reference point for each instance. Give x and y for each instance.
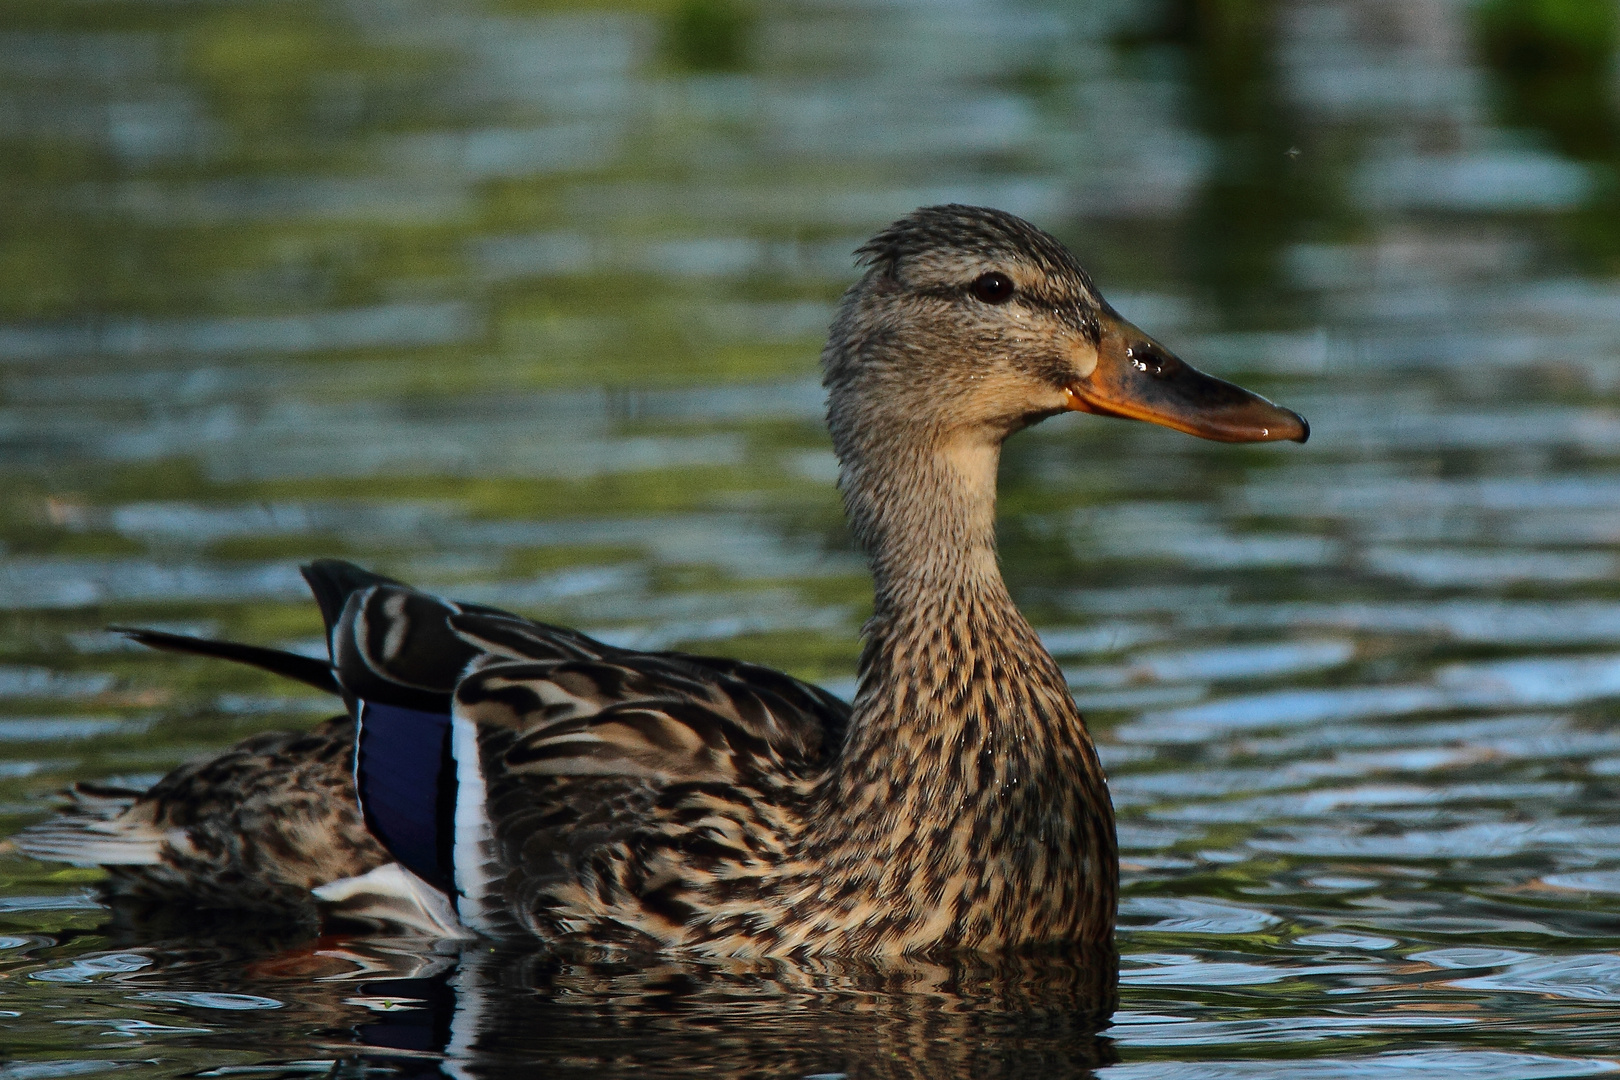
(493, 776)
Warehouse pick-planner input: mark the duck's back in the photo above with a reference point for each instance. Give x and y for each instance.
(525, 778)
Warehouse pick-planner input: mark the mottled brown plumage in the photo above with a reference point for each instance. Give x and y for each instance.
(253, 828)
(690, 803)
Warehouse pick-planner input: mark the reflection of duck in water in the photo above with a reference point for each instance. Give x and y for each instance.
(414, 1008)
(531, 781)
(502, 1013)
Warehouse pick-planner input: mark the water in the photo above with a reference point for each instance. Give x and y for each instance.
(522, 302)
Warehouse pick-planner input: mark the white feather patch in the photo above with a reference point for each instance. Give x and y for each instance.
(468, 1022)
(475, 839)
(393, 897)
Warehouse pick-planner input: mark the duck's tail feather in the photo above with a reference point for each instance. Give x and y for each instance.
(306, 669)
(104, 801)
(95, 829)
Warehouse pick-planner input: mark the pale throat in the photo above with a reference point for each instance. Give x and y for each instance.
(935, 524)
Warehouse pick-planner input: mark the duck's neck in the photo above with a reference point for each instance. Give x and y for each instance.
(927, 516)
(967, 773)
(949, 662)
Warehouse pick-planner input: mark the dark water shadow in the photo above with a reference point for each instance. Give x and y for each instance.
(419, 1008)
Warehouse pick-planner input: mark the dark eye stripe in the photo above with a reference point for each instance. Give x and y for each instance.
(1061, 306)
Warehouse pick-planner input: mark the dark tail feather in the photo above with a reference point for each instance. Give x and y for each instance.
(306, 669)
(333, 580)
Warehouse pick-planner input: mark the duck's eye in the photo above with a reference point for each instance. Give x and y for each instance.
(993, 288)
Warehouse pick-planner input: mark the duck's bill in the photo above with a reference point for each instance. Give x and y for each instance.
(1139, 379)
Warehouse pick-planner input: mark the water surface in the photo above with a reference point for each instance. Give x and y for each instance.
(522, 302)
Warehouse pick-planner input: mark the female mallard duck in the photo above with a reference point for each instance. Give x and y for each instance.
(527, 780)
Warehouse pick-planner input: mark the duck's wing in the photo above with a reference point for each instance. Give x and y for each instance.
(502, 761)
(392, 645)
(796, 718)
(495, 754)
(585, 786)
(387, 642)
(652, 716)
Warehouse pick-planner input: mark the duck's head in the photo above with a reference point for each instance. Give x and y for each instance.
(971, 323)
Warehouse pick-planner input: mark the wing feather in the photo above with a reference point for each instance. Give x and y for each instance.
(586, 774)
(602, 777)
(590, 775)
(638, 715)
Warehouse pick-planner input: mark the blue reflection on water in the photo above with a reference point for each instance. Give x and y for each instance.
(520, 304)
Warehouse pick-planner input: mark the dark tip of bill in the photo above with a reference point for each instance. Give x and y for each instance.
(1304, 428)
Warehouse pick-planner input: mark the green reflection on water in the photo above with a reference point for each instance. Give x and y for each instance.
(527, 297)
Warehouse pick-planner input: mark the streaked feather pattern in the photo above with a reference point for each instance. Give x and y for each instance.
(255, 827)
(664, 800)
(543, 784)
(597, 768)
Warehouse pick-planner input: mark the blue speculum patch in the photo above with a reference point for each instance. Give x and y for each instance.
(406, 780)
